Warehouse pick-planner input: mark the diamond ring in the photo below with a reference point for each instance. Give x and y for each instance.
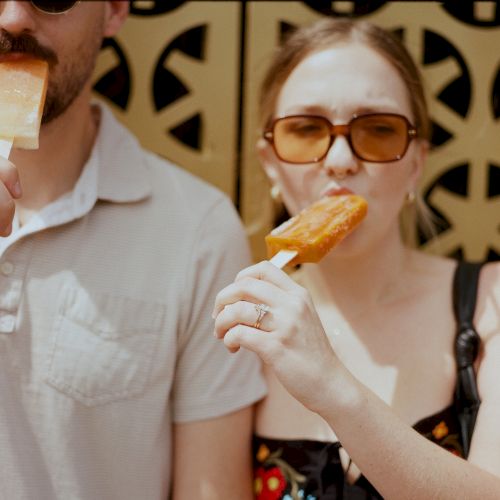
(262, 310)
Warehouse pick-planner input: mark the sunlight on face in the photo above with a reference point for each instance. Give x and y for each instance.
(337, 83)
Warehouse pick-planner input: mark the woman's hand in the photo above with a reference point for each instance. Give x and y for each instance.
(10, 189)
(290, 337)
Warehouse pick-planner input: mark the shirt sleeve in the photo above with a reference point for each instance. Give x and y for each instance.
(209, 381)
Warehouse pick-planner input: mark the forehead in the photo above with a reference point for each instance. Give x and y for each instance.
(342, 79)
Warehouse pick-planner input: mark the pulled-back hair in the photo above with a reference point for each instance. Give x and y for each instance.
(330, 31)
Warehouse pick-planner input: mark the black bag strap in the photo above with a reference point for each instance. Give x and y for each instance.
(467, 342)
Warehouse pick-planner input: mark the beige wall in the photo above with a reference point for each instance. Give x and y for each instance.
(222, 84)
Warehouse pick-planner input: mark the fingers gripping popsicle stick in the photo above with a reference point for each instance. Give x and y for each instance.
(23, 86)
(312, 233)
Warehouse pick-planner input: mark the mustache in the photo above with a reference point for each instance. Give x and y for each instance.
(26, 44)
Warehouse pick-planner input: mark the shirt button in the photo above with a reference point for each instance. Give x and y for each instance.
(7, 323)
(7, 268)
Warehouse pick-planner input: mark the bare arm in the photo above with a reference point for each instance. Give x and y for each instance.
(212, 458)
(398, 460)
(392, 455)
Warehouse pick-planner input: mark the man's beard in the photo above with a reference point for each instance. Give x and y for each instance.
(67, 78)
(66, 86)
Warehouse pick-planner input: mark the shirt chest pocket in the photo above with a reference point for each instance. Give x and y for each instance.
(103, 346)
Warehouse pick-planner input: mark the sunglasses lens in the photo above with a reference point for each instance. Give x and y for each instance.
(379, 137)
(376, 137)
(301, 139)
(54, 6)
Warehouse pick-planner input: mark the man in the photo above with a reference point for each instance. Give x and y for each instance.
(111, 383)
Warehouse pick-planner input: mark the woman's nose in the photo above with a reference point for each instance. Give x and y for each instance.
(340, 160)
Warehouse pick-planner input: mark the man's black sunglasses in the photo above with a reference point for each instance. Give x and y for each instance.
(54, 6)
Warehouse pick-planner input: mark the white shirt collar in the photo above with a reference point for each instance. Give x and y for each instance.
(122, 177)
(115, 171)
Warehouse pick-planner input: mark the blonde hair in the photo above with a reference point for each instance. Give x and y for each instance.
(330, 31)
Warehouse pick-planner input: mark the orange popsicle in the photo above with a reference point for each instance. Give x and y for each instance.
(23, 85)
(312, 233)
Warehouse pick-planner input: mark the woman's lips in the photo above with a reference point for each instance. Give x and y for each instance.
(337, 191)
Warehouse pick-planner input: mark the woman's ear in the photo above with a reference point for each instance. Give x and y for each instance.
(267, 159)
(420, 159)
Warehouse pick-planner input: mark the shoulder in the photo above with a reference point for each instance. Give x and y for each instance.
(178, 182)
(177, 203)
(490, 279)
(180, 195)
(488, 324)
(126, 162)
(486, 439)
(488, 304)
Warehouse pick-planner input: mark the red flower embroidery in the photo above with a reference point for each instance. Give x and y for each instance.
(269, 484)
(454, 451)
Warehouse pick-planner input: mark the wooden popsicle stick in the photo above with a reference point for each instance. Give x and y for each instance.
(283, 257)
(5, 147)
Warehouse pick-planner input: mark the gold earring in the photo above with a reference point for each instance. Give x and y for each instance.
(410, 197)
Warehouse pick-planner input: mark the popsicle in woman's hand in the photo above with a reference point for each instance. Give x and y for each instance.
(312, 233)
(23, 86)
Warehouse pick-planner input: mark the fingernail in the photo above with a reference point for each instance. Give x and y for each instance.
(16, 189)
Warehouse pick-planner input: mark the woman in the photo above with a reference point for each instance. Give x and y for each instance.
(386, 387)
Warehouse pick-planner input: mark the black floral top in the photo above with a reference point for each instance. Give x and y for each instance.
(311, 470)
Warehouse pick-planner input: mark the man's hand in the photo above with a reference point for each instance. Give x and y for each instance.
(10, 189)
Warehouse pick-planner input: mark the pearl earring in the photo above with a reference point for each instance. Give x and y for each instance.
(276, 193)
